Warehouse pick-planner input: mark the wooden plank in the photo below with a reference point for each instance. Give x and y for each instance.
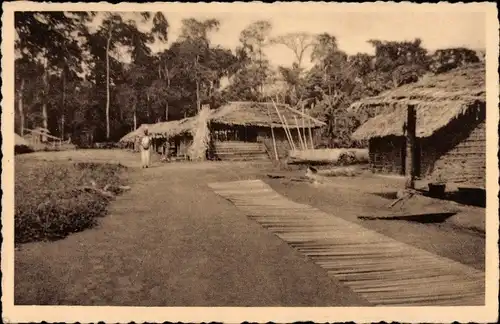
(383, 270)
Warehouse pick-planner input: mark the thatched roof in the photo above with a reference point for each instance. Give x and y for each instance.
(41, 130)
(430, 118)
(172, 128)
(247, 113)
(438, 100)
(163, 129)
(241, 113)
(19, 141)
(133, 135)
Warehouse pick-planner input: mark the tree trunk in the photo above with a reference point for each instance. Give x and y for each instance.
(20, 107)
(147, 107)
(62, 127)
(167, 76)
(197, 84)
(198, 95)
(108, 131)
(63, 109)
(261, 90)
(45, 122)
(135, 116)
(411, 121)
(166, 111)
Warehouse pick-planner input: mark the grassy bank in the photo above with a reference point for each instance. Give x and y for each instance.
(51, 200)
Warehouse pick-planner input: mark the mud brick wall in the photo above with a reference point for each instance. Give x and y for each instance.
(464, 162)
(386, 154)
(457, 153)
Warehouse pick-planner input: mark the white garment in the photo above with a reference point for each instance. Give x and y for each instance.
(145, 157)
(145, 151)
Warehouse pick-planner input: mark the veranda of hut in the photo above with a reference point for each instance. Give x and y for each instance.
(173, 138)
(450, 127)
(131, 139)
(257, 122)
(168, 138)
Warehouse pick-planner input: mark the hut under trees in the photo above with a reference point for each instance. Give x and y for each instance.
(21, 145)
(238, 130)
(450, 129)
(39, 139)
(245, 125)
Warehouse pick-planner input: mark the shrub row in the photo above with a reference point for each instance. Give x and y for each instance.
(49, 204)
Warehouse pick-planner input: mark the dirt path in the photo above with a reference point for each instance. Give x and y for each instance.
(171, 241)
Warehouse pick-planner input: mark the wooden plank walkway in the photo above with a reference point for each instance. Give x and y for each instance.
(384, 271)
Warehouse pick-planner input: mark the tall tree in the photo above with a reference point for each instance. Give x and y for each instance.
(298, 42)
(254, 39)
(444, 60)
(120, 33)
(28, 86)
(194, 45)
(400, 62)
(47, 37)
(111, 25)
(252, 69)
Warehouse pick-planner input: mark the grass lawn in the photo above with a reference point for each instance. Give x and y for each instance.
(49, 200)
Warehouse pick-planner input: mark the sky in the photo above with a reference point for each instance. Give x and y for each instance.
(437, 29)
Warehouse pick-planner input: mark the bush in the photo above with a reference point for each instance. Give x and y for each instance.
(49, 201)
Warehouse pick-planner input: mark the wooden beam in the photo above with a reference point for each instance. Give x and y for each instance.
(298, 112)
(301, 142)
(411, 138)
(272, 134)
(285, 126)
(304, 136)
(311, 136)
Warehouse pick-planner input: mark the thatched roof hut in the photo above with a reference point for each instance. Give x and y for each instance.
(450, 127)
(438, 99)
(21, 145)
(19, 141)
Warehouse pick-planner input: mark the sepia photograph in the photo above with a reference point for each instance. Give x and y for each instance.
(233, 157)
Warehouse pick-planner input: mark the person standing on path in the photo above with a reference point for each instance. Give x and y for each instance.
(145, 150)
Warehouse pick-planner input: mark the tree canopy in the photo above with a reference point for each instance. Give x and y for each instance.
(73, 79)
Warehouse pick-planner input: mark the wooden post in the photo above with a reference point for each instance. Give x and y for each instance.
(304, 127)
(310, 134)
(294, 148)
(302, 145)
(272, 134)
(285, 126)
(411, 123)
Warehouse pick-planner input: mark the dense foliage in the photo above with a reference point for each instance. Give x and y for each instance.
(74, 80)
(48, 204)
